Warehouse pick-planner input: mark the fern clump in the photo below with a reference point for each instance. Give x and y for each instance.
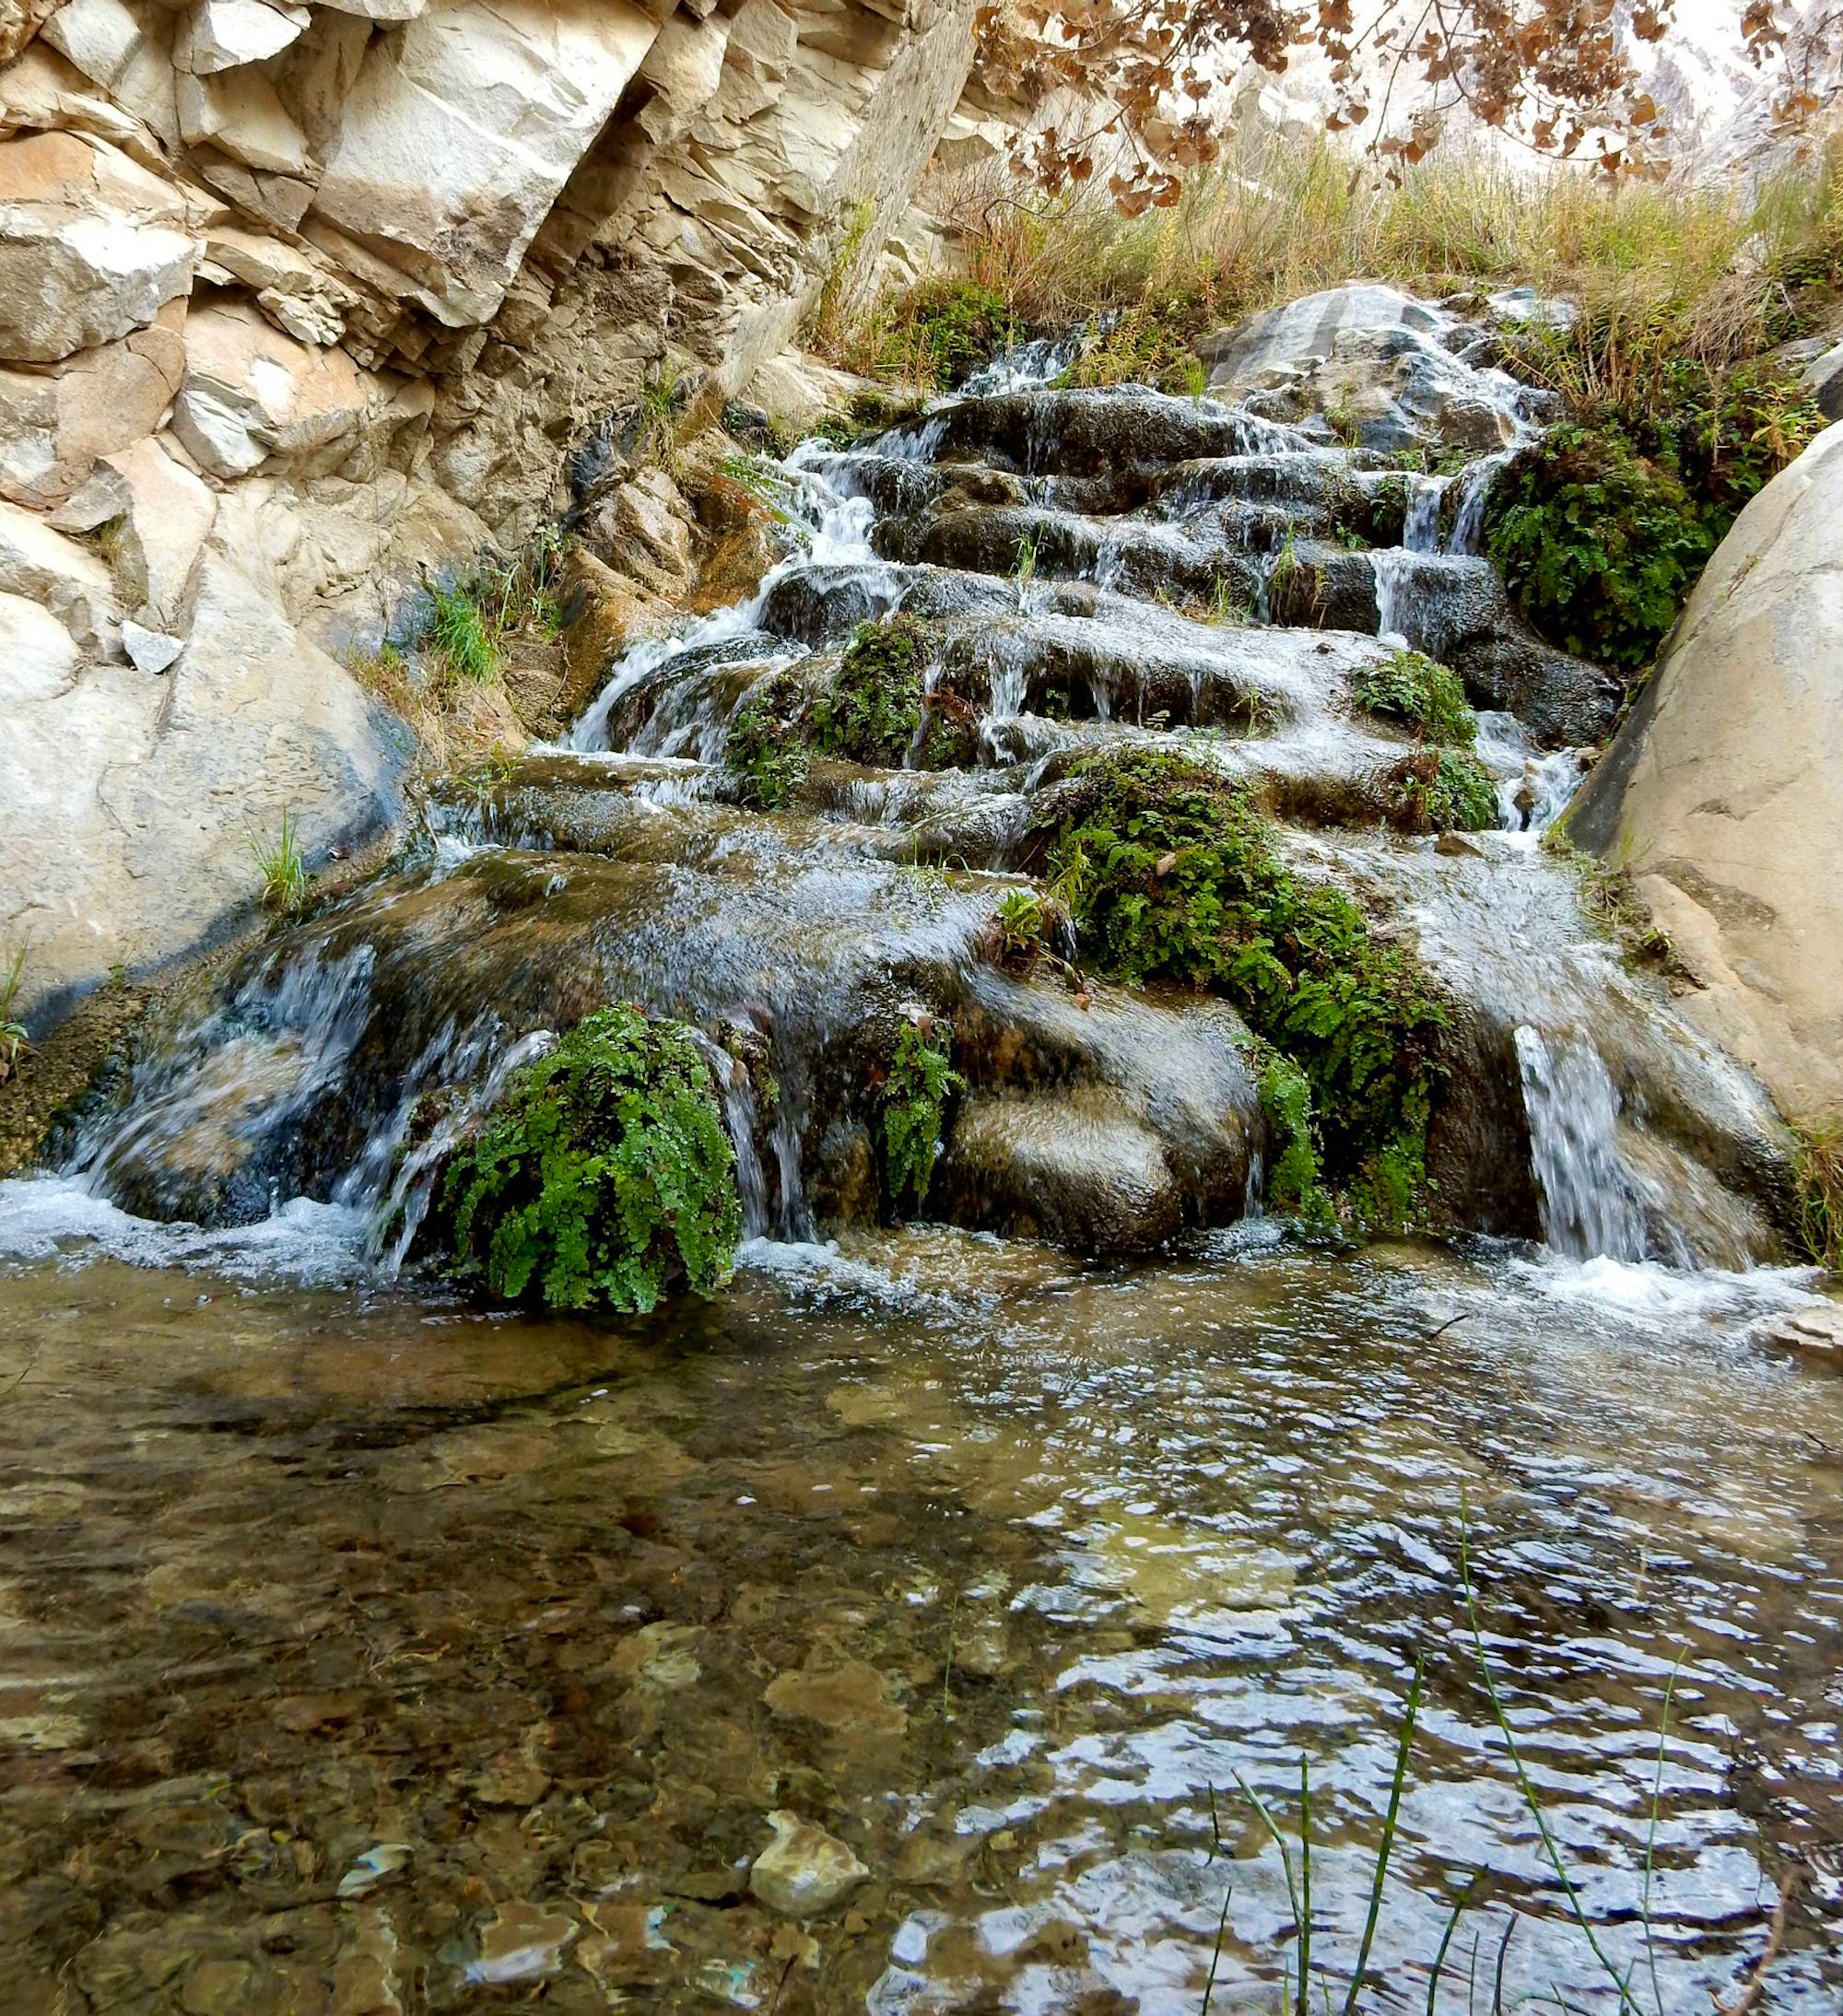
(1420, 693)
(915, 1088)
(603, 1177)
(1170, 873)
(869, 712)
(765, 749)
(872, 705)
(1601, 528)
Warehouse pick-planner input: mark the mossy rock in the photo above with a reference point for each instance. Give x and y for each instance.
(1419, 693)
(603, 1177)
(1170, 872)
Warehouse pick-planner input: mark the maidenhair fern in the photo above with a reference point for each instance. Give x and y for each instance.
(603, 1177)
(916, 1090)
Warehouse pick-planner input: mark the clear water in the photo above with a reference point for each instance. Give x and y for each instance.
(365, 1651)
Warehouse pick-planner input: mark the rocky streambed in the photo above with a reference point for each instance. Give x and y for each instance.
(1109, 836)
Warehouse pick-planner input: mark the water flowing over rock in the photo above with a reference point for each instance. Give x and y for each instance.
(803, 917)
(1723, 790)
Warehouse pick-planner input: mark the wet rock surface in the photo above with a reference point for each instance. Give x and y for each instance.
(707, 847)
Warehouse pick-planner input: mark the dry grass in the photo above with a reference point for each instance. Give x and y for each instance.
(1819, 1170)
(1704, 273)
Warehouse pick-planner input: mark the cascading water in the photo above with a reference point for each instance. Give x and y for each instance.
(1591, 1204)
(371, 1650)
(1073, 559)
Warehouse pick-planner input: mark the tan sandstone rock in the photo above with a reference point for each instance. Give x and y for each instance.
(1723, 791)
(88, 246)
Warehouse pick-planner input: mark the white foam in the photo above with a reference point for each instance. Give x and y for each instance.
(56, 1217)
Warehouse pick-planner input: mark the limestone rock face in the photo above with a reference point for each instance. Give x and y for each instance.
(1723, 791)
(88, 248)
(300, 298)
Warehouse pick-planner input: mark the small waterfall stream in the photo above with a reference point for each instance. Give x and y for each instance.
(372, 1650)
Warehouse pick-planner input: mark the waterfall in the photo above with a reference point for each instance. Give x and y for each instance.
(1591, 1204)
(1420, 523)
(1475, 482)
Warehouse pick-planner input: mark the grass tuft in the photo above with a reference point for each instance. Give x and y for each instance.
(13, 1043)
(281, 867)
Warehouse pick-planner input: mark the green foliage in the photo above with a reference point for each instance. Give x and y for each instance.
(868, 711)
(1229, 604)
(1420, 693)
(871, 707)
(12, 1034)
(1169, 872)
(460, 631)
(1293, 1184)
(765, 749)
(1025, 571)
(1142, 347)
(1023, 925)
(603, 1177)
(1295, 586)
(282, 868)
(944, 332)
(920, 1082)
(1449, 790)
(1603, 525)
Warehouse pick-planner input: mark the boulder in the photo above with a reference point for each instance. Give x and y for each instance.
(159, 514)
(1724, 788)
(463, 129)
(88, 248)
(251, 392)
(19, 21)
(67, 577)
(125, 47)
(223, 34)
(1378, 366)
(38, 655)
(128, 801)
(56, 420)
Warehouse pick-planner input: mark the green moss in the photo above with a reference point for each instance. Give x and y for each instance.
(918, 1083)
(1170, 873)
(872, 705)
(603, 1177)
(1421, 694)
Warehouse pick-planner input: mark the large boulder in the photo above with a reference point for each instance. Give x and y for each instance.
(463, 129)
(1723, 791)
(129, 802)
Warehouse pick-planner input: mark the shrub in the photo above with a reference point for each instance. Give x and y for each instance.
(872, 705)
(1170, 873)
(1818, 1174)
(1603, 527)
(1293, 1184)
(603, 1177)
(459, 630)
(1141, 346)
(281, 866)
(1421, 694)
(12, 1034)
(920, 1082)
(943, 332)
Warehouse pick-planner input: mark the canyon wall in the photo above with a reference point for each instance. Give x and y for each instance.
(299, 302)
